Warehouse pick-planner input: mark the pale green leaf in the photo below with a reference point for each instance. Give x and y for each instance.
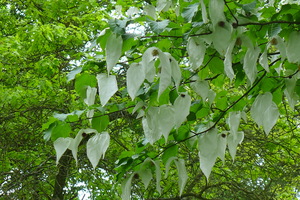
(113, 50)
(216, 11)
(228, 61)
(135, 78)
(281, 47)
(250, 60)
(293, 47)
(90, 96)
(150, 11)
(168, 163)
(263, 60)
(208, 151)
(148, 60)
(166, 120)
(196, 50)
(158, 27)
(182, 108)
(233, 121)
(107, 87)
(176, 72)
(290, 92)
(126, 187)
(165, 74)
(233, 139)
(96, 147)
(151, 125)
(60, 146)
(201, 88)
(189, 11)
(158, 175)
(146, 176)
(182, 173)
(203, 12)
(71, 75)
(222, 37)
(264, 111)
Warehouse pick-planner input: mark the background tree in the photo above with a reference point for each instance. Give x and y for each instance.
(132, 94)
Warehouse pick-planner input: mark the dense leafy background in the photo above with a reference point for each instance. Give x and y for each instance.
(53, 51)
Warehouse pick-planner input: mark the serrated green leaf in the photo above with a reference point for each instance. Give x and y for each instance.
(100, 123)
(61, 129)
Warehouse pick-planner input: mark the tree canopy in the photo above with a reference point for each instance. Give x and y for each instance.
(162, 100)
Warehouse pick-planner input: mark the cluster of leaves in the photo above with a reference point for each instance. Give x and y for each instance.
(162, 82)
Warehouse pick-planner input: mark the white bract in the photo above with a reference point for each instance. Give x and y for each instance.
(135, 78)
(264, 111)
(196, 50)
(61, 145)
(113, 50)
(107, 87)
(96, 147)
(211, 146)
(250, 63)
(293, 47)
(182, 108)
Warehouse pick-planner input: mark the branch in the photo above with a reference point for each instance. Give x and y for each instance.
(267, 23)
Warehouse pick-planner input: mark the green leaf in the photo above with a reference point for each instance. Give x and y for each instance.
(82, 82)
(126, 187)
(61, 129)
(170, 152)
(100, 123)
(249, 7)
(189, 11)
(293, 47)
(233, 140)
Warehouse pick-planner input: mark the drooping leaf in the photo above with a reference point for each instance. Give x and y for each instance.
(135, 78)
(166, 120)
(113, 50)
(165, 74)
(234, 121)
(250, 63)
(203, 12)
(290, 91)
(71, 75)
(264, 111)
(222, 37)
(182, 173)
(146, 176)
(126, 187)
(158, 27)
(189, 11)
(182, 108)
(61, 129)
(148, 62)
(201, 88)
(90, 95)
(176, 72)
(211, 146)
(96, 147)
(100, 122)
(228, 61)
(263, 60)
(60, 146)
(293, 47)
(151, 125)
(216, 11)
(107, 87)
(196, 50)
(233, 139)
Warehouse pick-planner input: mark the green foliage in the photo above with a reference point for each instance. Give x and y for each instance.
(138, 92)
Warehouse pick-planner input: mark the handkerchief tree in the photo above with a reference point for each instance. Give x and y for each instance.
(184, 99)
